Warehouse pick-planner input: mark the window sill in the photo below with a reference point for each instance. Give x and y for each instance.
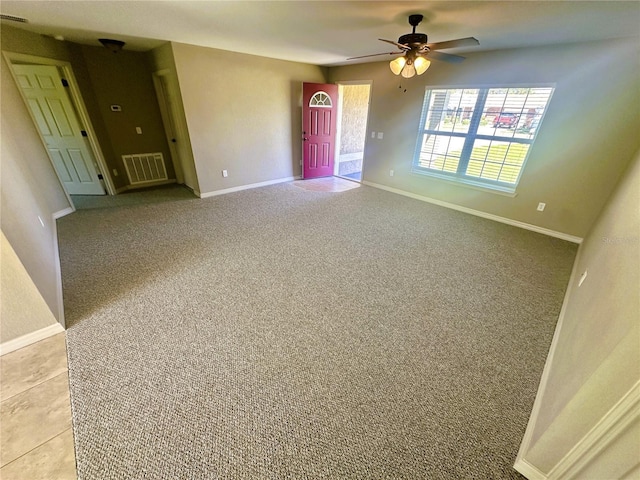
(463, 182)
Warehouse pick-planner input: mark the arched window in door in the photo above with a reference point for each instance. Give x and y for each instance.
(320, 99)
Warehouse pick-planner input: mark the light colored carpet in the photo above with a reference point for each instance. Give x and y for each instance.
(285, 333)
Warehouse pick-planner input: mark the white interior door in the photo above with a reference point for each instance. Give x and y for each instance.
(56, 119)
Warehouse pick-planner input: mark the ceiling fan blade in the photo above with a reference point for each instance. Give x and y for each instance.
(460, 42)
(374, 55)
(445, 57)
(399, 45)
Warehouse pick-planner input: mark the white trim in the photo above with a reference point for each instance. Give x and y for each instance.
(608, 428)
(168, 122)
(525, 445)
(473, 134)
(338, 135)
(58, 269)
(56, 249)
(341, 84)
(63, 213)
(30, 338)
(78, 103)
(528, 470)
(316, 95)
(249, 186)
(603, 433)
(478, 213)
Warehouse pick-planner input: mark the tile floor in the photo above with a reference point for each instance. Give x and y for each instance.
(36, 440)
(326, 184)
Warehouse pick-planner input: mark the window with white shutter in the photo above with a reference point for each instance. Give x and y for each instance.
(479, 136)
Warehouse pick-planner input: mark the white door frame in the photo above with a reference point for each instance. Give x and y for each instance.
(340, 84)
(78, 103)
(184, 162)
(168, 121)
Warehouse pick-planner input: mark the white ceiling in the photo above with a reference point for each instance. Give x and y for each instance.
(325, 32)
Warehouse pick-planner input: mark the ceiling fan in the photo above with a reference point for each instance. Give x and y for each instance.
(415, 48)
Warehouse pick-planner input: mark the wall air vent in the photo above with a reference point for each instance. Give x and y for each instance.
(13, 18)
(145, 167)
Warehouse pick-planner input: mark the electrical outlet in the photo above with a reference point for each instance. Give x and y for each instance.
(225, 173)
(373, 134)
(541, 207)
(115, 172)
(391, 173)
(380, 135)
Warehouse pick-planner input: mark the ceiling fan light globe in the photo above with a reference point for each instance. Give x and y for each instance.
(397, 65)
(421, 64)
(409, 70)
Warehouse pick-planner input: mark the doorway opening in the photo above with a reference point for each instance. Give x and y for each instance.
(168, 94)
(353, 114)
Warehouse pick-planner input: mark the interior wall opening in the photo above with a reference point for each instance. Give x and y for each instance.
(353, 114)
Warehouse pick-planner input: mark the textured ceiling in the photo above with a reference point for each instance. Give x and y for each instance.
(325, 32)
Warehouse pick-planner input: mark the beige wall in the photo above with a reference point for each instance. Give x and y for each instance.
(29, 188)
(162, 63)
(81, 74)
(125, 79)
(20, 41)
(587, 139)
(29, 185)
(22, 308)
(596, 358)
(105, 78)
(243, 113)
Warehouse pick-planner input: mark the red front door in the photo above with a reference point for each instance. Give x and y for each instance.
(319, 112)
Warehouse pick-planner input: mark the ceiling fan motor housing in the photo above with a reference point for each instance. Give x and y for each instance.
(413, 39)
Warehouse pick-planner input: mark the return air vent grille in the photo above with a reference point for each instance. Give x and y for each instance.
(145, 168)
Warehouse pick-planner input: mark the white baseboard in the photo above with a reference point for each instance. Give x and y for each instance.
(192, 190)
(62, 213)
(29, 338)
(247, 187)
(525, 445)
(608, 428)
(528, 470)
(478, 213)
